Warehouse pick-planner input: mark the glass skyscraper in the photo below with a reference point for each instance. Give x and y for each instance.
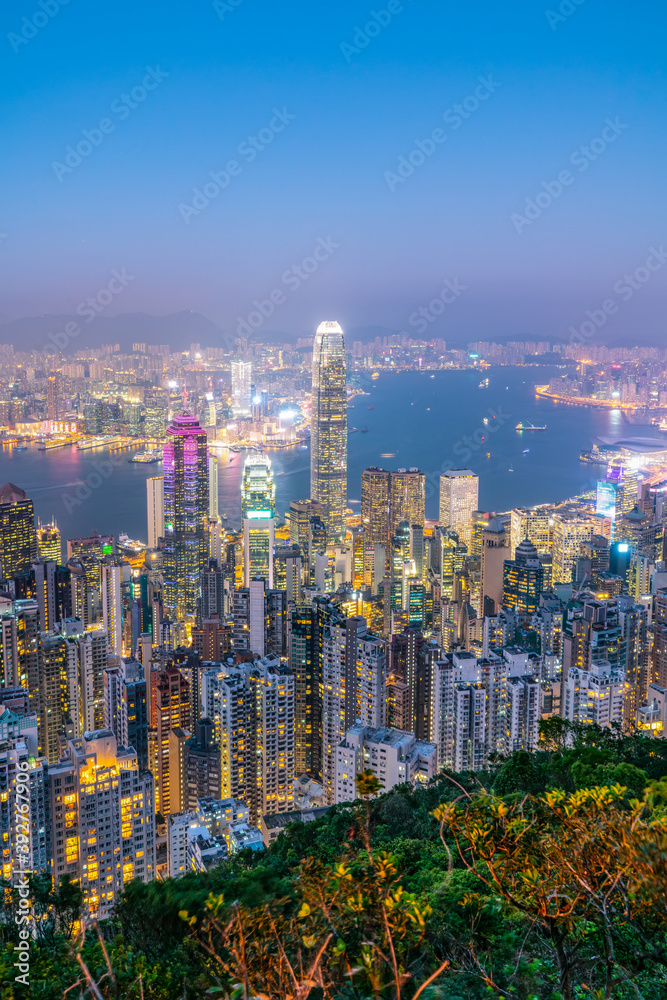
(185, 516)
(258, 504)
(328, 438)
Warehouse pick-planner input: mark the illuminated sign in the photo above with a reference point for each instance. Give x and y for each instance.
(259, 514)
(107, 550)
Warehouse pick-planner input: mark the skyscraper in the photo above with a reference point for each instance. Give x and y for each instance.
(241, 388)
(49, 545)
(185, 516)
(155, 501)
(407, 498)
(459, 489)
(328, 437)
(258, 506)
(18, 544)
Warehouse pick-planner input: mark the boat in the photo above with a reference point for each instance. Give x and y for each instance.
(21, 447)
(511, 468)
(526, 425)
(364, 430)
(526, 451)
(146, 457)
(352, 430)
(370, 407)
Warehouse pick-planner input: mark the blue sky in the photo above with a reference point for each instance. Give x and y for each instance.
(328, 172)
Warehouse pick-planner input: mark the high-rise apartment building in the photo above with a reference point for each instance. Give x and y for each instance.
(459, 494)
(186, 501)
(155, 505)
(301, 513)
(328, 440)
(659, 671)
(258, 507)
(18, 542)
(394, 757)
(102, 810)
(252, 708)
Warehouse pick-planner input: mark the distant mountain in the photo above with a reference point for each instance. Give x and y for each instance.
(178, 330)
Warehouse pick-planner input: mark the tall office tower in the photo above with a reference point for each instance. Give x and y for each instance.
(459, 498)
(52, 397)
(593, 559)
(318, 545)
(617, 493)
(185, 517)
(480, 519)
(49, 544)
(300, 514)
(569, 531)
(155, 504)
(126, 707)
(659, 668)
(213, 505)
(102, 811)
(196, 769)
(258, 507)
(18, 542)
(252, 707)
(523, 581)
(375, 516)
(633, 619)
(212, 592)
(407, 498)
(494, 552)
(241, 388)
(533, 524)
(353, 671)
(328, 438)
(171, 710)
(112, 605)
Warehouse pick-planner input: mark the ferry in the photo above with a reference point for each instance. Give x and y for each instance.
(146, 457)
(526, 425)
(106, 441)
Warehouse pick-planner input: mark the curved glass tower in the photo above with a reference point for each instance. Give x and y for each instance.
(328, 436)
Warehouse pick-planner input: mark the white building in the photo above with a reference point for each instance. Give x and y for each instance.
(596, 695)
(459, 493)
(155, 510)
(394, 757)
(241, 388)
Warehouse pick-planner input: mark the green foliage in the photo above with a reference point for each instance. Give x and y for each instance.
(543, 878)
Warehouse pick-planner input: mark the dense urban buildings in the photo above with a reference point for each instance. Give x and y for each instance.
(328, 439)
(225, 675)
